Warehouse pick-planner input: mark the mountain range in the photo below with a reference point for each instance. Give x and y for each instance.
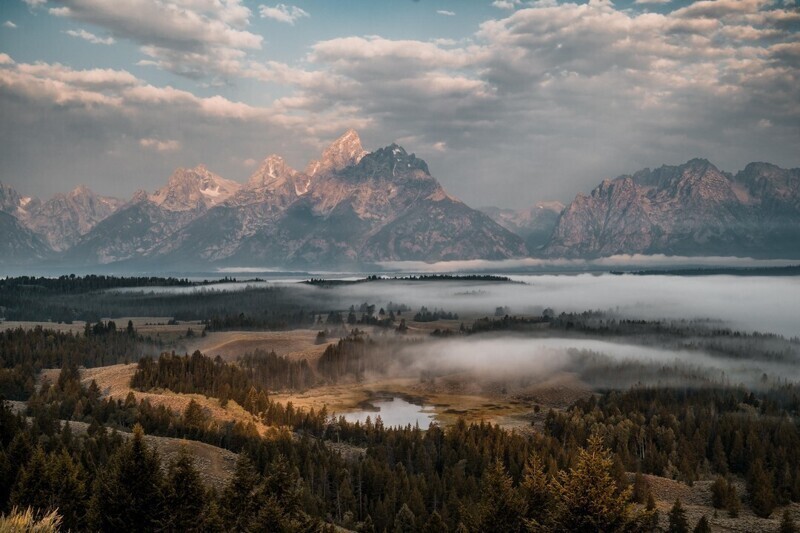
(352, 207)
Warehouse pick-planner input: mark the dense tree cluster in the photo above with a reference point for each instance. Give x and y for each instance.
(691, 433)
(24, 352)
(426, 315)
(198, 373)
(351, 357)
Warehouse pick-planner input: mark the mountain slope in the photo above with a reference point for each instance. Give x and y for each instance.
(19, 245)
(63, 219)
(348, 207)
(147, 221)
(690, 209)
(535, 225)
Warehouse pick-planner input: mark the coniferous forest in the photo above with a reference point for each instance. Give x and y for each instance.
(76, 456)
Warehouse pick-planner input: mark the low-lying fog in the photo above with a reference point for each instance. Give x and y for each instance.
(601, 363)
(765, 304)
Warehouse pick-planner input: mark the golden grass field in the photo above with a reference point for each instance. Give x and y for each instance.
(295, 344)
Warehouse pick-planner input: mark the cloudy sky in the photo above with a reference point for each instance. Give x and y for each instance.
(510, 101)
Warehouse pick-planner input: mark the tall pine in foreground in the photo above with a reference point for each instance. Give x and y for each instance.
(677, 519)
(588, 496)
(129, 494)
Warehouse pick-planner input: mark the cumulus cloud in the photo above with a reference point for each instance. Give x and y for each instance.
(194, 38)
(282, 13)
(91, 37)
(168, 145)
(111, 115)
(445, 12)
(506, 4)
(569, 90)
(540, 101)
(9, 24)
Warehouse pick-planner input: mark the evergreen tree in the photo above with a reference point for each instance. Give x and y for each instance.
(405, 521)
(787, 523)
(759, 488)
(435, 524)
(501, 508)
(128, 495)
(677, 519)
(186, 498)
(732, 502)
(243, 496)
(702, 526)
(33, 484)
(719, 492)
(651, 513)
(68, 489)
(536, 491)
(589, 499)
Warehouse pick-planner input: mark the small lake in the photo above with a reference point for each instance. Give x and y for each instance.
(395, 412)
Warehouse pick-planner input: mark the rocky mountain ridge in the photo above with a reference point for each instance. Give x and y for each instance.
(690, 209)
(351, 207)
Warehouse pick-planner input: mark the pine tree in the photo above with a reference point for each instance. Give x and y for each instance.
(759, 487)
(702, 526)
(589, 499)
(732, 502)
(536, 491)
(435, 524)
(33, 483)
(405, 521)
(501, 508)
(719, 492)
(651, 513)
(640, 488)
(128, 495)
(242, 497)
(677, 519)
(186, 498)
(68, 489)
(787, 523)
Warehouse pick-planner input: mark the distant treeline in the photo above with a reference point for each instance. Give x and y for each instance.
(423, 277)
(264, 307)
(24, 352)
(793, 270)
(69, 284)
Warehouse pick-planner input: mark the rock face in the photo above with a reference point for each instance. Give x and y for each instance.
(19, 245)
(65, 218)
(691, 209)
(534, 224)
(349, 207)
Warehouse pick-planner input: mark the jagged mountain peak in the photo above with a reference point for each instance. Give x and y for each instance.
(389, 162)
(341, 153)
(193, 188)
(275, 178)
(273, 170)
(81, 190)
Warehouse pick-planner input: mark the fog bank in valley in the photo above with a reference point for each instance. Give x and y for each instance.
(765, 304)
(601, 363)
